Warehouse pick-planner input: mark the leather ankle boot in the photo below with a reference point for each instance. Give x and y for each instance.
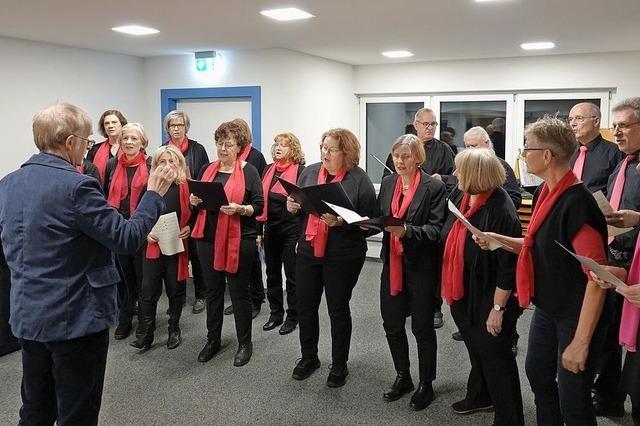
(175, 337)
(402, 386)
(422, 397)
(147, 326)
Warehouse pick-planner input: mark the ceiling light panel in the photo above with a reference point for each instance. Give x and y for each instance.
(135, 30)
(287, 14)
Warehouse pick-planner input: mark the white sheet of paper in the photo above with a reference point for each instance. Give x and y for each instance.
(526, 178)
(613, 231)
(596, 268)
(606, 208)
(167, 230)
(493, 243)
(348, 215)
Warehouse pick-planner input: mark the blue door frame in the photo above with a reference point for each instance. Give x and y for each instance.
(170, 97)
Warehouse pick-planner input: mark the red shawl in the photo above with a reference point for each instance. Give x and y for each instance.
(546, 201)
(453, 259)
(288, 171)
(101, 158)
(119, 186)
(317, 231)
(245, 153)
(153, 249)
(227, 237)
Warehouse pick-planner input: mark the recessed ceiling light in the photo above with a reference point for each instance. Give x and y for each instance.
(397, 54)
(538, 46)
(487, 1)
(135, 30)
(287, 14)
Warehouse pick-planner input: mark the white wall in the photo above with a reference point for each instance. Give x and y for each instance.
(35, 75)
(300, 93)
(589, 71)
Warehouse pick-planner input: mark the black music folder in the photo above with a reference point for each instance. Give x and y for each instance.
(312, 198)
(212, 194)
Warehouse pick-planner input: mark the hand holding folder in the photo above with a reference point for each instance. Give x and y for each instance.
(353, 218)
(311, 198)
(212, 194)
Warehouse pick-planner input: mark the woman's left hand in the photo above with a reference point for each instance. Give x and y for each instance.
(184, 232)
(231, 209)
(631, 293)
(331, 220)
(494, 322)
(398, 231)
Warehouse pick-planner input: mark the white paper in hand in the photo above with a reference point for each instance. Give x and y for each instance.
(348, 215)
(493, 243)
(596, 268)
(167, 230)
(605, 208)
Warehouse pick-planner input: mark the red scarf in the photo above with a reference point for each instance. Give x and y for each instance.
(102, 156)
(288, 171)
(396, 250)
(317, 231)
(184, 145)
(153, 249)
(245, 153)
(546, 201)
(227, 237)
(453, 259)
(119, 187)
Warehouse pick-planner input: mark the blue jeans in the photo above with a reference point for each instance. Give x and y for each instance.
(561, 397)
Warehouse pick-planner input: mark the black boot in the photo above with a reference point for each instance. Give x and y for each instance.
(175, 338)
(422, 397)
(147, 326)
(402, 386)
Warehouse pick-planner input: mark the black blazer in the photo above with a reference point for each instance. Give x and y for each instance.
(424, 220)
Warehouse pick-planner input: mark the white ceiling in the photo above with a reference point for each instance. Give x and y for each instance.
(349, 31)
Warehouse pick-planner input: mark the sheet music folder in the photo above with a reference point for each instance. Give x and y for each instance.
(311, 198)
(212, 194)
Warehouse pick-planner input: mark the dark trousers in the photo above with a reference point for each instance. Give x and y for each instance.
(631, 383)
(256, 285)
(196, 271)
(62, 381)
(155, 271)
(416, 298)
(238, 290)
(279, 249)
(561, 397)
(493, 378)
(609, 365)
(337, 277)
(130, 268)
(437, 296)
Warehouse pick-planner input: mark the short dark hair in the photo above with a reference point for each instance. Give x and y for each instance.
(115, 112)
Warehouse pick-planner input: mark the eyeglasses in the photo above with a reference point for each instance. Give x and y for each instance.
(281, 145)
(402, 158)
(523, 151)
(579, 119)
(177, 126)
(622, 126)
(428, 124)
(89, 141)
(330, 150)
(227, 145)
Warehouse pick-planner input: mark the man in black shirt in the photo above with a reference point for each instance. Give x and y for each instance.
(498, 136)
(595, 158)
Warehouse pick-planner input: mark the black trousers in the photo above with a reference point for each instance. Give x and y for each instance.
(154, 272)
(337, 277)
(417, 298)
(130, 268)
(631, 383)
(238, 290)
(493, 378)
(561, 397)
(256, 285)
(609, 365)
(196, 270)
(62, 381)
(279, 249)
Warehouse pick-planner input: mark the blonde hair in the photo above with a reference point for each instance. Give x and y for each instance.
(414, 144)
(139, 128)
(479, 170)
(297, 156)
(178, 158)
(54, 124)
(555, 135)
(347, 143)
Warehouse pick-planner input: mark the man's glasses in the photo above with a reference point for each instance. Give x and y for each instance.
(428, 124)
(622, 126)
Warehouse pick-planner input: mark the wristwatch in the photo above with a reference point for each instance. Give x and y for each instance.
(499, 308)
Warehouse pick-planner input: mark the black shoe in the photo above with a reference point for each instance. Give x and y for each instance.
(243, 355)
(607, 410)
(228, 310)
(437, 320)
(305, 368)
(175, 338)
(402, 386)
(271, 324)
(143, 342)
(255, 311)
(288, 326)
(210, 349)
(123, 330)
(464, 407)
(337, 376)
(198, 306)
(457, 336)
(422, 397)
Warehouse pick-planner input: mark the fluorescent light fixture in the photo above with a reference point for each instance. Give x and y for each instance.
(135, 30)
(538, 46)
(397, 54)
(487, 1)
(287, 14)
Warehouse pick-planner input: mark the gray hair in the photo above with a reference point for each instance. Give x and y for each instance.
(177, 114)
(479, 132)
(53, 125)
(423, 111)
(498, 123)
(629, 103)
(594, 110)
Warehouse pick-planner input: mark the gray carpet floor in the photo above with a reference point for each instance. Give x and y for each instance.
(170, 387)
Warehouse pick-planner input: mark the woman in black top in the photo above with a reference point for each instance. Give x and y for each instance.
(125, 182)
(110, 126)
(177, 124)
(568, 323)
(479, 284)
(410, 269)
(281, 230)
(157, 266)
(331, 254)
(227, 240)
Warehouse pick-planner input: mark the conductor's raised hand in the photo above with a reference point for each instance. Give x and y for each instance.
(161, 179)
